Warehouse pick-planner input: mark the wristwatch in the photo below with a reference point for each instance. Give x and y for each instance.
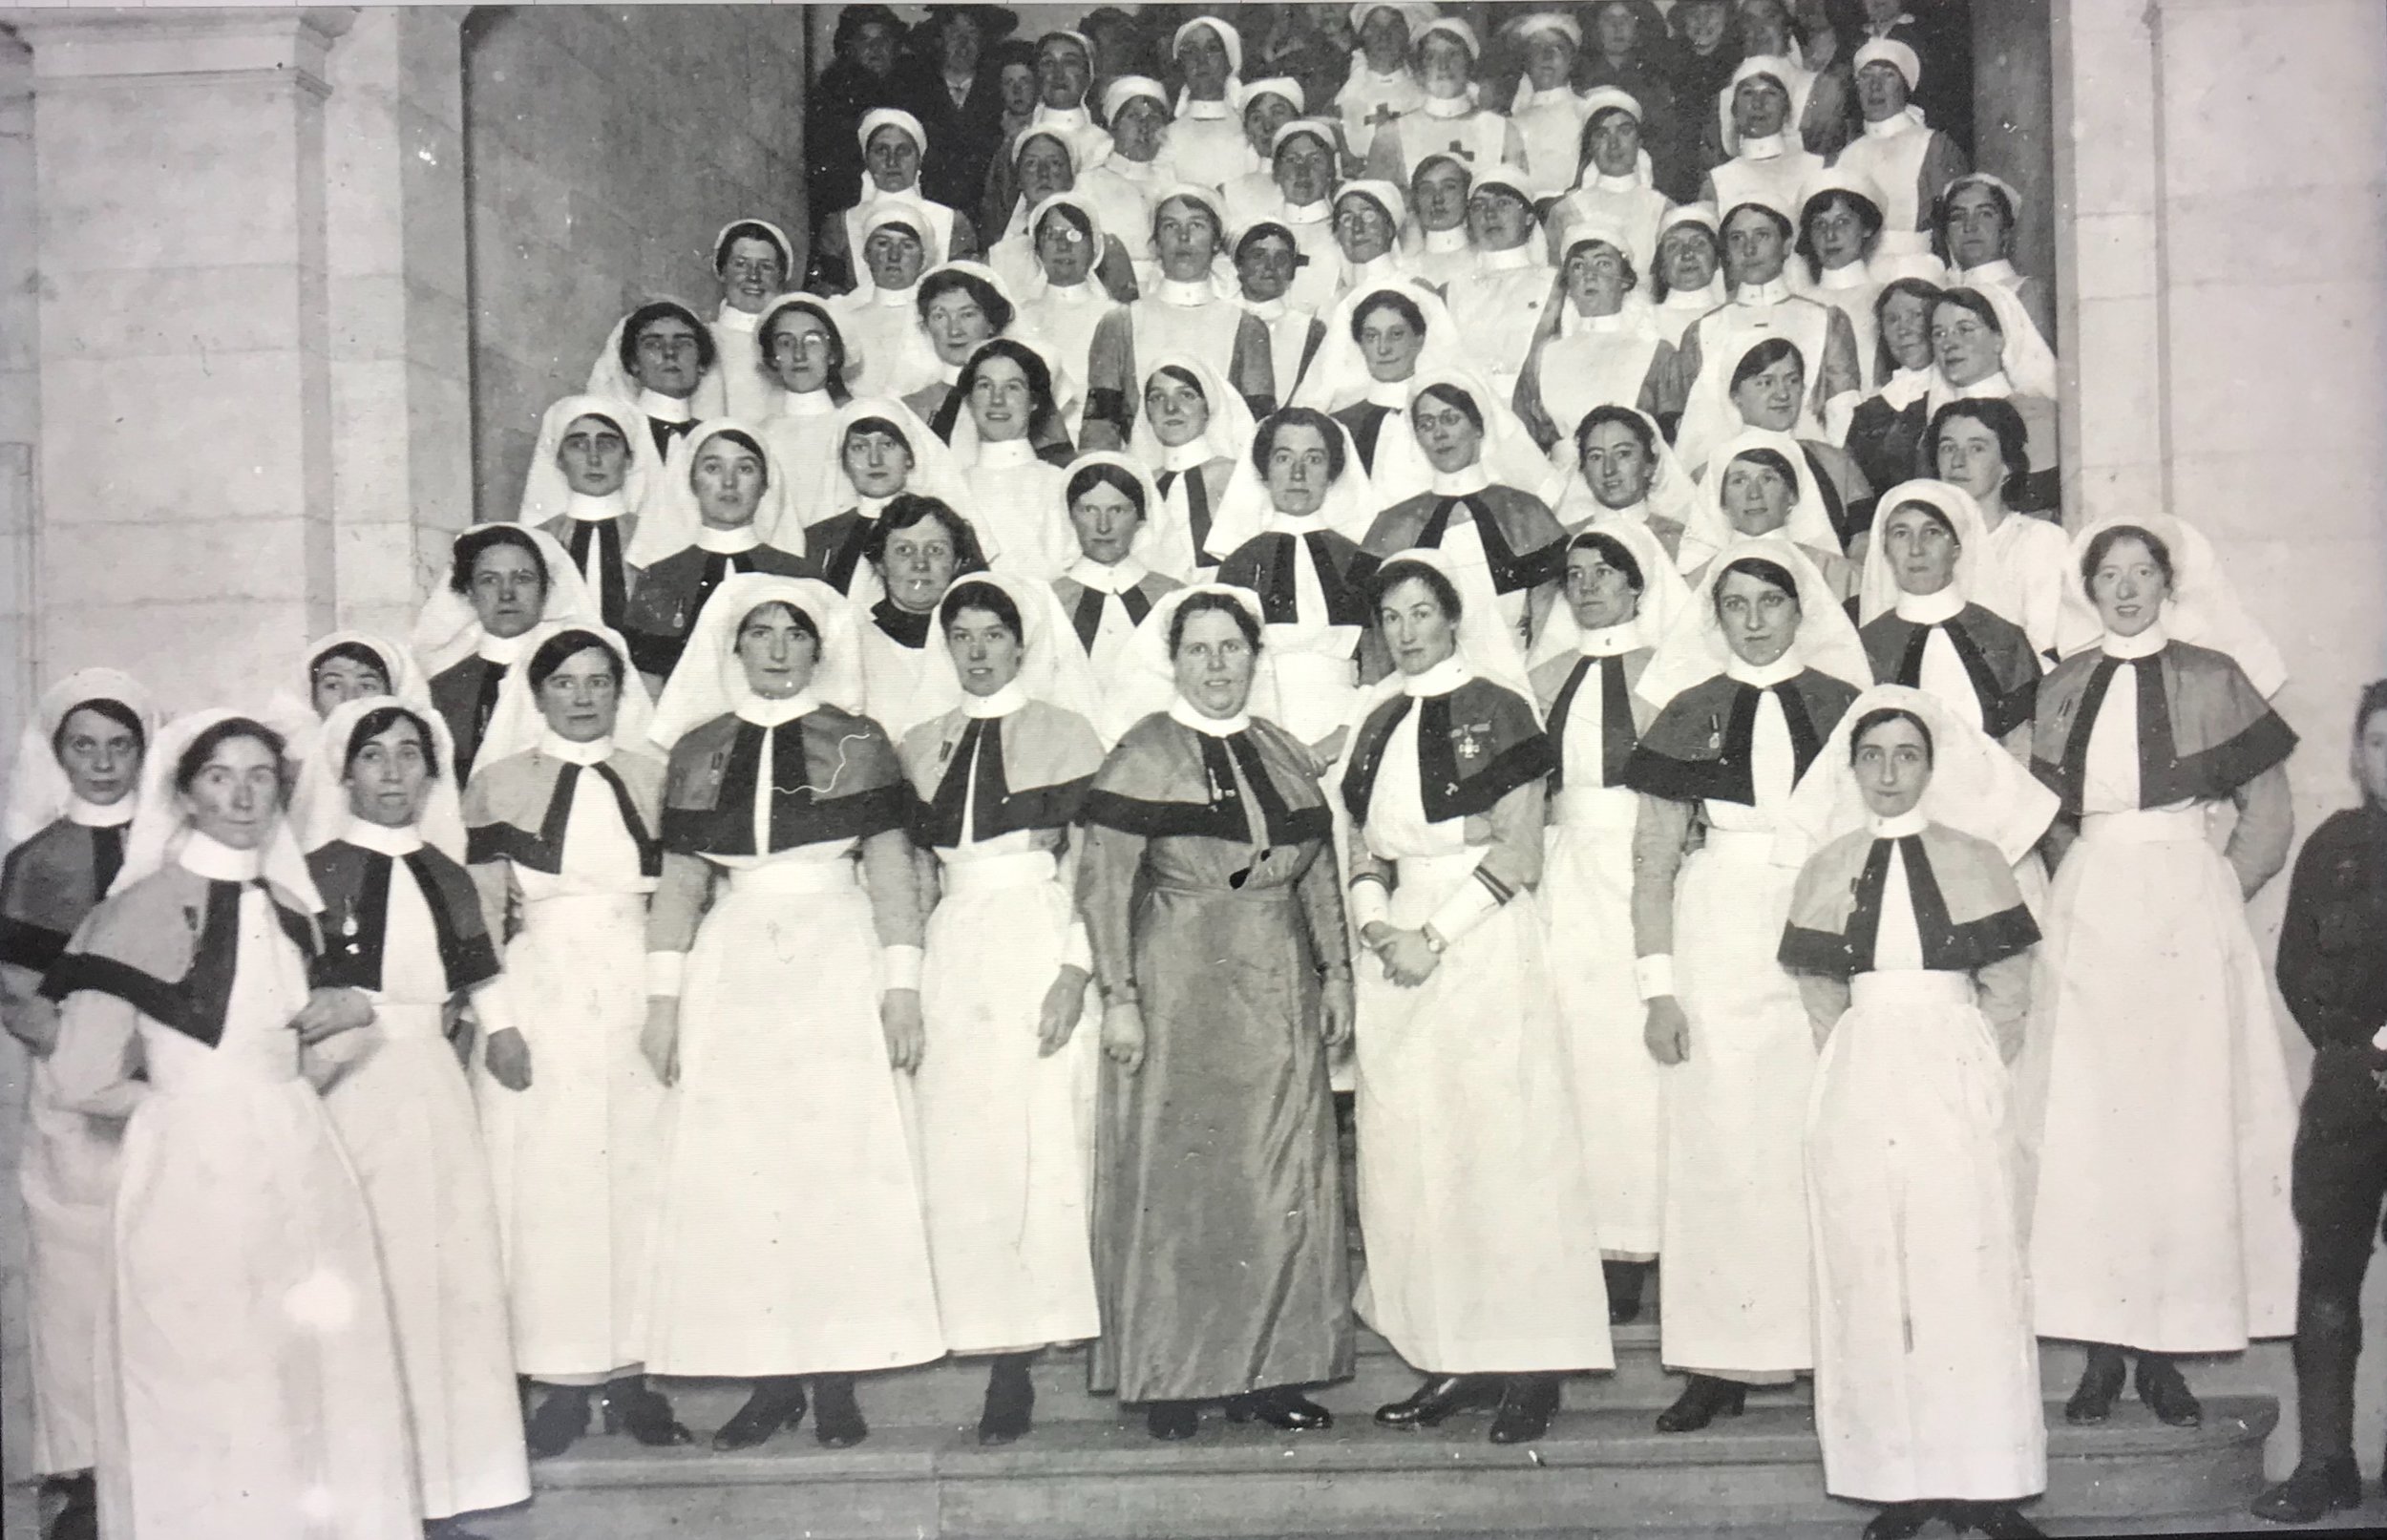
(1435, 942)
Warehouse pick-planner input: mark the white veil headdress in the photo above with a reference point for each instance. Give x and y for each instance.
(670, 521)
(1693, 649)
(709, 681)
(446, 630)
(319, 808)
(38, 792)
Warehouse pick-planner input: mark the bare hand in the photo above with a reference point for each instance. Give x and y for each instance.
(1063, 1004)
(907, 1034)
(1668, 1032)
(509, 1060)
(329, 1012)
(1122, 1035)
(1408, 961)
(34, 1022)
(1335, 1001)
(659, 1041)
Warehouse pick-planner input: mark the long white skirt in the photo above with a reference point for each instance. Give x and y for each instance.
(1004, 1136)
(1483, 1248)
(571, 1160)
(791, 1238)
(405, 1116)
(2156, 1100)
(250, 1383)
(68, 1178)
(1620, 1090)
(1926, 1368)
(1733, 1293)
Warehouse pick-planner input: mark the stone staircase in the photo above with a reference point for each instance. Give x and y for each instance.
(1089, 1473)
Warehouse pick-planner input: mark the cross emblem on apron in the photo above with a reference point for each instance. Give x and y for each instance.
(1461, 151)
(1383, 115)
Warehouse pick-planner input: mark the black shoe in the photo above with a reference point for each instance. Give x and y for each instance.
(635, 1407)
(1902, 1521)
(1701, 1401)
(1624, 1289)
(2093, 1398)
(1441, 1396)
(1173, 1420)
(1527, 1404)
(558, 1422)
(2313, 1490)
(1010, 1400)
(449, 1528)
(838, 1422)
(2166, 1393)
(775, 1402)
(79, 1516)
(1286, 1410)
(1995, 1521)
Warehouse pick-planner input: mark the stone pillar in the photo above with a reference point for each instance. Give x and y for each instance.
(186, 464)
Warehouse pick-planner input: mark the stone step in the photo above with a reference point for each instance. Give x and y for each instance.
(1108, 1480)
(947, 1394)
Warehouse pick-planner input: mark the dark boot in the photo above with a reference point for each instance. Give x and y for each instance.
(2166, 1393)
(775, 1402)
(558, 1422)
(1281, 1407)
(2100, 1381)
(1624, 1289)
(1441, 1396)
(635, 1407)
(78, 1512)
(1527, 1403)
(448, 1528)
(1010, 1400)
(1173, 1420)
(1994, 1521)
(1902, 1521)
(2312, 1491)
(839, 1423)
(1701, 1401)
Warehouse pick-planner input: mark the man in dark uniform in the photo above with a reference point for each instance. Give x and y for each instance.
(950, 87)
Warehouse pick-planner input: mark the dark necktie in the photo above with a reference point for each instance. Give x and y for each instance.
(2155, 744)
(484, 707)
(1346, 599)
(613, 594)
(559, 816)
(107, 856)
(1985, 688)
(1616, 737)
(976, 767)
(1509, 571)
(1087, 619)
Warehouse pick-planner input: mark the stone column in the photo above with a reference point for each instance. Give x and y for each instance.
(185, 470)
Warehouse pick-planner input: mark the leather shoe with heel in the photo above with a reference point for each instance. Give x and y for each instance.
(838, 1417)
(1285, 1410)
(2313, 1490)
(1994, 1521)
(1173, 1420)
(558, 1423)
(1439, 1397)
(1624, 1280)
(2166, 1393)
(635, 1407)
(2101, 1383)
(1527, 1404)
(78, 1513)
(1010, 1401)
(1703, 1400)
(775, 1404)
(1901, 1521)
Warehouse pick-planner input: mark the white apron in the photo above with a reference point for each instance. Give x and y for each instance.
(791, 1240)
(1926, 1368)
(571, 1160)
(1005, 1136)
(68, 1178)
(405, 1116)
(748, 393)
(1482, 1251)
(250, 1381)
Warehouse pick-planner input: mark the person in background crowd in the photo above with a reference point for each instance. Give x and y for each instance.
(1706, 37)
(1268, 262)
(2332, 973)
(755, 262)
(954, 91)
(1547, 111)
(880, 317)
(72, 793)
(1124, 187)
(2027, 572)
(1598, 344)
(1689, 278)
(1840, 231)
(1381, 86)
(1498, 300)
(1015, 81)
(862, 75)
(503, 580)
(1268, 105)
(1986, 348)
(1885, 430)
(590, 470)
(1901, 154)
(1186, 312)
(1975, 219)
(1110, 589)
(662, 360)
(1447, 121)
(1119, 50)
(895, 150)
(722, 507)
(1612, 182)
(1625, 51)
(1206, 140)
(1764, 163)
(1438, 192)
(1303, 167)
(1064, 75)
(1065, 300)
(805, 350)
(1943, 46)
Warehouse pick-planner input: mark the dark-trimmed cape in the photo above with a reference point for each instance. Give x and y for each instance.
(834, 776)
(517, 808)
(168, 946)
(49, 884)
(1700, 745)
(666, 597)
(354, 884)
(1524, 543)
(1968, 912)
(2203, 730)
(1996, 656)
(1164, 779)
(1475, 745)
(1031, 768)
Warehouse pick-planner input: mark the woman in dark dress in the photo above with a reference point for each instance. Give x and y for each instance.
(1211, 898)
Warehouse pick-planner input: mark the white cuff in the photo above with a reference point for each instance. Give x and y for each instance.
(1653, 975)
(899, 968)
(1464, 910)
(493, 1010)
(1078, 952)
(1370, 903)
(662, 973)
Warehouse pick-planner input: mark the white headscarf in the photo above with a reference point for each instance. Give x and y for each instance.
(447, 631)
(2028, 362)
(38, 793)
(1234, 41)
(709, 681)
(546, 494)
(1145, 679)
(516, 726)
(1230, 427)
(1664, 595)
(1486, 643)
(877, 119)
(162, 824)
(1705, 217)
(890, 210)
(1709, 529)
(1245, 510)
(1899, 57)
(1039, 284)
(291, 711)
(1168, 551)
(1672, 493)
(1546, 21)
(1877, 591)
(1127, 87)
(1596, 101)
(1050, 671)
(2203, 608)
(319, 808)
(1976, 787)
(670, 521)
(1783, 73)
(934, 473)
(1693, 649)
(607, 378)
(1338, 376)
(1509, 455)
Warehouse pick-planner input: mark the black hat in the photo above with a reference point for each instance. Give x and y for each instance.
(853, 18)
(994, 22)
